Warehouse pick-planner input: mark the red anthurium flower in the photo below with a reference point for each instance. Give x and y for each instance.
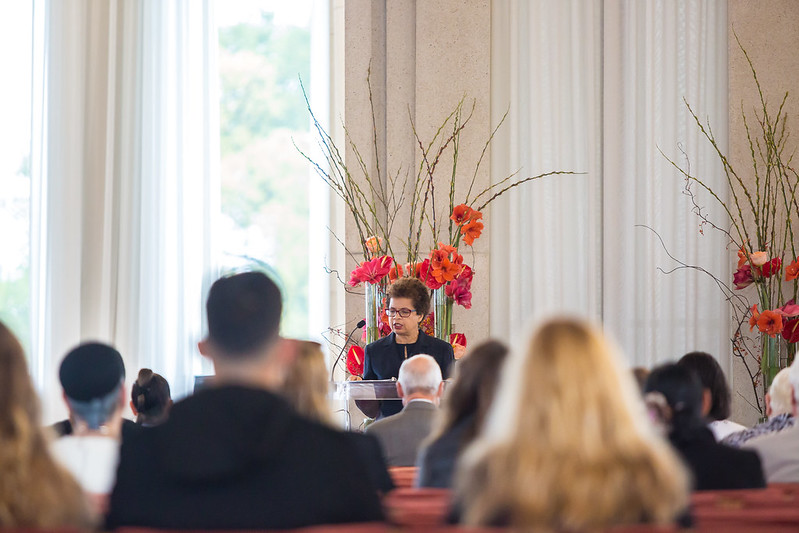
(790, 332)
(789, 310)
(754, 317)
(457, 338)
(471, 231)
(769, 323)
(743, 277)
(792, 270)
(771, 267)
(461, 214)
(355, 357)
(371, 271)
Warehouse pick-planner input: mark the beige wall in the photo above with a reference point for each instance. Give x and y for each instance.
(424, 56)
(769, 32)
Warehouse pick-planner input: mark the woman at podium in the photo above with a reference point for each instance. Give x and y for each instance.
(408, 304)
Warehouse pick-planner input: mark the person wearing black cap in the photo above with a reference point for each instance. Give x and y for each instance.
(92, 376)
(236, 455)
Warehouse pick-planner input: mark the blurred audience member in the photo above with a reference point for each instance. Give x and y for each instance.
(235, 455)
(419, 386)
(92, 376)
(714, 466)
(780, 451)
(640, 374)
(716, 399)
(464, 409)
(779, 410)
(150, 399)
(35, 491)
(306, 387)
(566, 445)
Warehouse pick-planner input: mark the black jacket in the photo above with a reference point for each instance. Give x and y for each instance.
(382, 360)
(716, 466)
(240, 458)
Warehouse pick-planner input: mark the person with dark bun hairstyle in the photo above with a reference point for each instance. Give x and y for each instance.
(236, 455)
(408, 303)
(677, 392)
(150, 398)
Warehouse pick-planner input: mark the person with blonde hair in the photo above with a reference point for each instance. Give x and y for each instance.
(567, 445)
(35, 492)
(305, 388)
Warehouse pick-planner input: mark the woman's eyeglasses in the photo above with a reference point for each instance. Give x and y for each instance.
(403, 313)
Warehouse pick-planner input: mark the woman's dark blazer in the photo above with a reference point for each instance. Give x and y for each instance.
(382, 361)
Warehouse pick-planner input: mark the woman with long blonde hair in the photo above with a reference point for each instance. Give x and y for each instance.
(567, 445)
(35, 492)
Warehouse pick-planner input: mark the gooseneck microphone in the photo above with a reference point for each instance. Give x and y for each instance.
(358, 326)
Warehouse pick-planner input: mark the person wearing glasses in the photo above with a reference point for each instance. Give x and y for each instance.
(408, 304)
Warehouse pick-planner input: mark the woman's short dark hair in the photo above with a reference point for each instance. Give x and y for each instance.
(151, 397)
(712, 378)
(413, 289)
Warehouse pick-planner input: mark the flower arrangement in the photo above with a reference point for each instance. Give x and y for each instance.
(375, 201)
(759, 224)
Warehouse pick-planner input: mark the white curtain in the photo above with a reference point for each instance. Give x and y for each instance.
(125, 171)
(598, 87)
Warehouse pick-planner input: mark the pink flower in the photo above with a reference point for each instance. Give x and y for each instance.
(460, 293)
(743, 277)
(758, 258)
(371, 271)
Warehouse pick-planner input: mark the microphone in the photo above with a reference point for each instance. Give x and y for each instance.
(358, 326)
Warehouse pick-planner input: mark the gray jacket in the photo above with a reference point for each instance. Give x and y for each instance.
(400, 435)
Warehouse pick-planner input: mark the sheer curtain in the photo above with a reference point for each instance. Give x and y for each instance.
(598, 87)
(125, 172)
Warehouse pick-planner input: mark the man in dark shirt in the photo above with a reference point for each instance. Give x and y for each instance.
(236, 456)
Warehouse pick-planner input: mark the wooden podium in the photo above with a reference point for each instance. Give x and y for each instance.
(380, 389)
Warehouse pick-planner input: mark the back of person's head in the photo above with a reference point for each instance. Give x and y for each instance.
(35, 491)
(472, 389)
(566, 444)
(712, 378)
(92, 376)
(243, 314)
(419, 374)
(682, 391)
(640, 374)
(306, 384)
(150, 398)
(780, 394)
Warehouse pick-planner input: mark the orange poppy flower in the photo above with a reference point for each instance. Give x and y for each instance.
(437, 257)
(461, 214)
(753, 318)
(741, 257)
(476, 215)
(792, 270)
(471, 231)
(770, 323)
(447, 271)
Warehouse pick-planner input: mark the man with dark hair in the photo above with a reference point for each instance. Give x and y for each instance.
(236, 456)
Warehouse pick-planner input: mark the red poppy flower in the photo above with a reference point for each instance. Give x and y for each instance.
(471, 231)
(461, 214)
(769, 323)
(371, 271)
(771, 267)
(792, 270)
(425, 273)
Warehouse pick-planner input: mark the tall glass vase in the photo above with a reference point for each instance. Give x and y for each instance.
(374, 300)
(771, 358)
(442, 309)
